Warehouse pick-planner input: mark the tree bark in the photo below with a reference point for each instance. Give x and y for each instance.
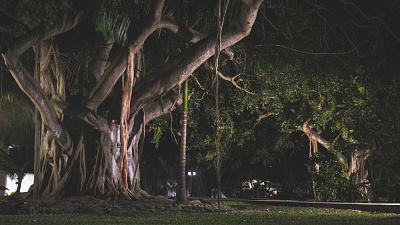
(125, 112)
(182, 198)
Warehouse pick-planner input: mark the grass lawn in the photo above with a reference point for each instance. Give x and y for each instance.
(241, 213)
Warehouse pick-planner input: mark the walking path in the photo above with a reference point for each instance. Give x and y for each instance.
(375, 207)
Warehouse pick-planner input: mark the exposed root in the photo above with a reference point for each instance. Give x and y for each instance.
(143, 193)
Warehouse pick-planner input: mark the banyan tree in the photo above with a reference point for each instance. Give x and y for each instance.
(83, 65)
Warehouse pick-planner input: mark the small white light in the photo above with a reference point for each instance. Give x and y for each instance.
(194, 173)
(190, 173)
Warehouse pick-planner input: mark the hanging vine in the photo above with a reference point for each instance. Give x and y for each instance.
(220, 22)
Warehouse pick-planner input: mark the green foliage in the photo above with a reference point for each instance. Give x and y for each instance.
(16, 127)
(33, 12)
(113, 21)
(38, 209)
(16, 118)
(388, 186)
(156, 136)
(352, 190)
(159, 127)
(328, 174)
(394, 188)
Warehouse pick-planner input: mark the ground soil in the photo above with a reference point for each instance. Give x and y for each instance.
(19, 204)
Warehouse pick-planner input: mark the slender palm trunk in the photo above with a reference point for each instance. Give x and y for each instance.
(182, 192)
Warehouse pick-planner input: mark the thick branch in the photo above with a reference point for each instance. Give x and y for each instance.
(64, 23)
(157, 108)
(162, 106)
(184, 32)
(107, 82)
(26, 82)
(313, 135)
(187, 33)
(40, 99)
(101, 61)
(89, 116)
(139, 36)
(110, 77)
(175, 71)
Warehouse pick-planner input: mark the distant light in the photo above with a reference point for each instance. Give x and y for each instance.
(190, 173)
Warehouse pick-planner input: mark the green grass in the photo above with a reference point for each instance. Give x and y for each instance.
(249, 214)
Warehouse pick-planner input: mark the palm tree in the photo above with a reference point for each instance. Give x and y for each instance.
(16, 116)
(16, 129)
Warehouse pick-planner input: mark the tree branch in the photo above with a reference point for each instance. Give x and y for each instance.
(156, 109)
(107, 82)
(175, 71)
(85, 114)
(372, 18)
(138, 37)
(11, 55)
(6, 24)
(15, 18)
(64, 23)
(40, 99)
(163, 106)
(101, 60)
(313, 135)
(186, 33)
(230, 79)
